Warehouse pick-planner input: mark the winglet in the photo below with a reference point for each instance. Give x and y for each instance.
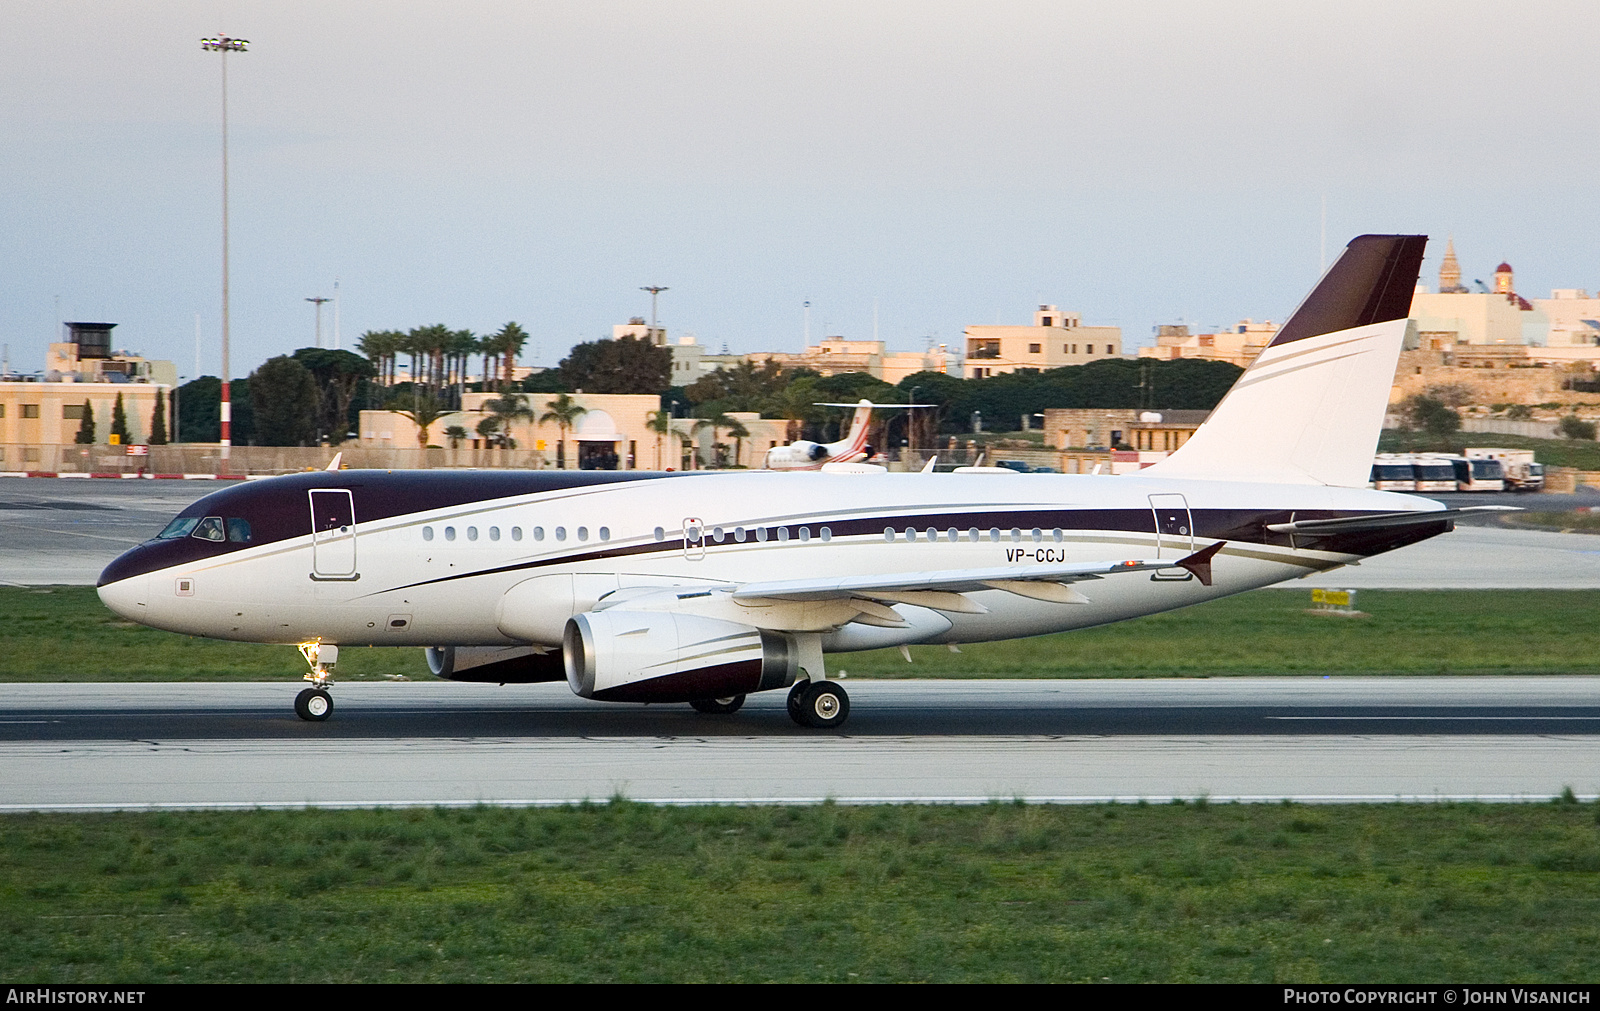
(927, 468)
(1199, 563)
(334, 465)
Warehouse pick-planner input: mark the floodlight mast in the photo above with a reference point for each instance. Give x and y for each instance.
(224, 45)
(654, 290)
(319, 300)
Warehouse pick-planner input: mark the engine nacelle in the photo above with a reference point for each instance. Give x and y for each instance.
(661, 656)
(500, 664)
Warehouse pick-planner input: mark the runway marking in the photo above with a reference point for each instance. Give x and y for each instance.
(13, 722)
(1472, 718)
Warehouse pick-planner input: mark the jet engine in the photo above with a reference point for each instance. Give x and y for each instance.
(662, 656)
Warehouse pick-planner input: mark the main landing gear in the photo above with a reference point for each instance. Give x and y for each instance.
(718, 707)
(822, 705)
(314, 703)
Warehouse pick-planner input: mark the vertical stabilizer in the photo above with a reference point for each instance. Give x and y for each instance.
(1309, 408)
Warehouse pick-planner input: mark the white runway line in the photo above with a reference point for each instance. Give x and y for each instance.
(232, 774)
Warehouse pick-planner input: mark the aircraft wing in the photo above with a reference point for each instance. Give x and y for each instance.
(901, 585)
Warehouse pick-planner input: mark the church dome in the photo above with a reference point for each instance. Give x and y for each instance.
(1504, 268)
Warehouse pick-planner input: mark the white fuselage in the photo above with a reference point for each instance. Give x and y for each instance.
(512, 570)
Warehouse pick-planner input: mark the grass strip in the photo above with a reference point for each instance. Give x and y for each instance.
(627, 892)
(66, 634)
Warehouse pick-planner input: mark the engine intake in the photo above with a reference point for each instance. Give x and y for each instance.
(661, 656)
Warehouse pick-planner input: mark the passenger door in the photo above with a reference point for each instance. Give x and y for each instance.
(333, 534)
(1174, 526)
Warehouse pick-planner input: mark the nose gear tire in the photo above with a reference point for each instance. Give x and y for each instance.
(313, 704)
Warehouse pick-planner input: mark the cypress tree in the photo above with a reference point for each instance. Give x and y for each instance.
(119, 421)
(158, 421)
(85, 436)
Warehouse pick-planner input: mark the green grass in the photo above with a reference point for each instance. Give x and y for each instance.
(65, 634)
(1581, 454)
(622, 891)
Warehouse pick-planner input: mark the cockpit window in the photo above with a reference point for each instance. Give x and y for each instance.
(238, 530)
(210, 529)
(179, 527)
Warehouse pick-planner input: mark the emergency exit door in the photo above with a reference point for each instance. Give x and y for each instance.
(333, 534)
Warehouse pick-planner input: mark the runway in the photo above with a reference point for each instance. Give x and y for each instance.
(103, 747)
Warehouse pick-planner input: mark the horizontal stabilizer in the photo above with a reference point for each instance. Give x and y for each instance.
(1382, 521)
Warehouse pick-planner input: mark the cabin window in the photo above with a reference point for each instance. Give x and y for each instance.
(933, 534)
(972, 534)
(888, 533)
(717, 534)
(427, 533)
(472, 533)
(605, 533)
(827, 534)
(516, 533)
(449, 533)
(761, 534)
(739, 534)
(210, 529)
(661, 534)
(994, 534)
(1038, 535)
(911, 533)
(179, 527)
(783, 534)
(238, 530)
(1016, 535)
(583, 533)
(1056, 535)
(561, 533)
(494, 533)
(952, 534)
(805, 533)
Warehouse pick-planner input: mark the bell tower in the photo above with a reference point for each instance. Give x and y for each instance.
(1450, 271)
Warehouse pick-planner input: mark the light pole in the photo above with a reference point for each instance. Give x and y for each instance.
(319, 300)
(224, 45)
(654, 291)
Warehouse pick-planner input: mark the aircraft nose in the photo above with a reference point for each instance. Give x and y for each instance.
(126, 596)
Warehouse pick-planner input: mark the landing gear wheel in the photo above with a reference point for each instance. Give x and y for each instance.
(313, 704)
(797, 693)
(719, 707)
(823, 705)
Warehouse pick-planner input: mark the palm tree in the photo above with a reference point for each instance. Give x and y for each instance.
(563, 411)
(424, 410)
(503, 410)
(509, 342)
(735, 428)
(456, 434)
(659, 422)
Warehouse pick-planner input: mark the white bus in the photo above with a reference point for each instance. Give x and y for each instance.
(1392, 472)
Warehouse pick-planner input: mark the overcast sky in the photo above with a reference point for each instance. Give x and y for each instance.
(470, 163)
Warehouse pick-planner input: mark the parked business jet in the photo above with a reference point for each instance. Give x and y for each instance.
(703, 587)
(804, 455)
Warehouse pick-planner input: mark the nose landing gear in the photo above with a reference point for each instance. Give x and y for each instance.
(314, 703)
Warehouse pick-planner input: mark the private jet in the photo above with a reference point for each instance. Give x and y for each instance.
(702, 587)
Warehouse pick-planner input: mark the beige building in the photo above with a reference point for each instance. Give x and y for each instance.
(1454, 315)
(613, 433)
(834, 355)
(1108, 428)
(1238, 345)
(1055, 339)
(38, 416)
(1573, 316)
